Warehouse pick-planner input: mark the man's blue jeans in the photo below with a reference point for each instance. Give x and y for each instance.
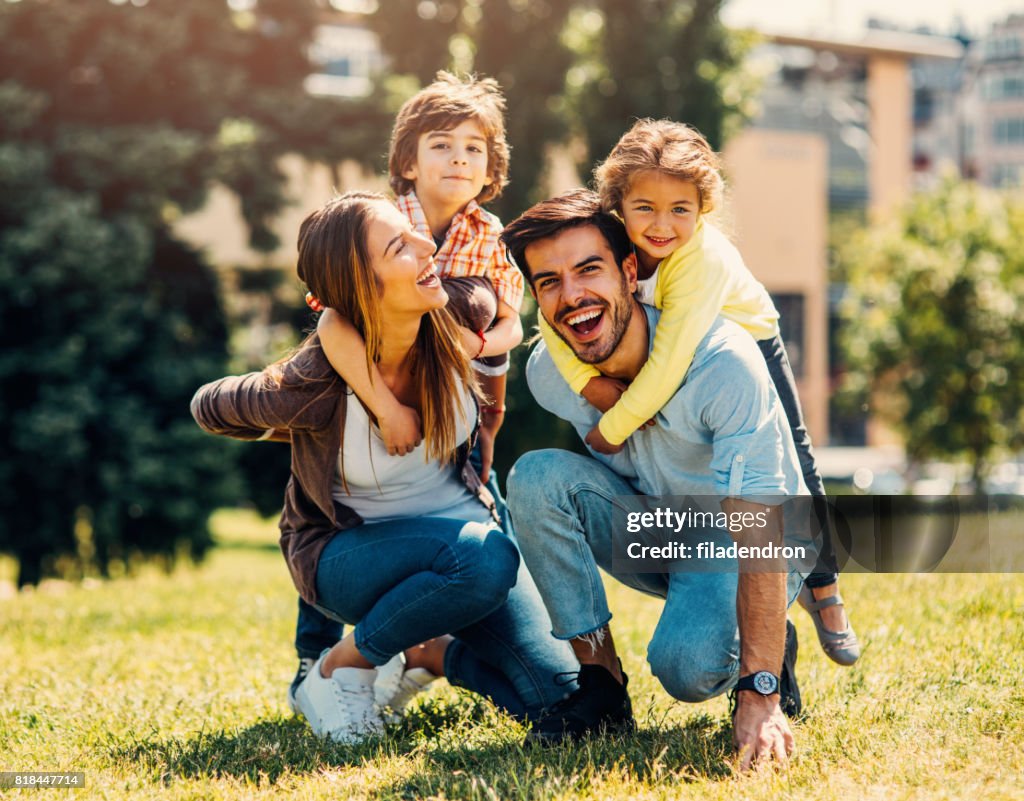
(562, 504)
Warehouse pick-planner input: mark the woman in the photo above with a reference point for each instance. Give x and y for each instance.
(407, 548)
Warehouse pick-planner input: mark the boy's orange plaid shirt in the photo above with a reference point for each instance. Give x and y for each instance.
(471, 248)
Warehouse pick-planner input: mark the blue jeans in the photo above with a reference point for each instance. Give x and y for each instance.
(315, 631)
(779, 369)
(401, 582)
(562, 504)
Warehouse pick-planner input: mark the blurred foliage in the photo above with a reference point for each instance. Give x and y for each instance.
(114, 117)
(269, 317)
(934, 325)
(655, 58)
(847, 410)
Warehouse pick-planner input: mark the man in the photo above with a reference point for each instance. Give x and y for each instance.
(724, 433)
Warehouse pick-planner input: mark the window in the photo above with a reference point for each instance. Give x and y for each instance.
(1007, 46)
(924, 106)
(1006, 175)
(968, 139)
(1008, 131)
(1003, 86)
(347, 58)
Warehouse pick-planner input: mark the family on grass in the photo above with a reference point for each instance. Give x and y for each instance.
(659, 347)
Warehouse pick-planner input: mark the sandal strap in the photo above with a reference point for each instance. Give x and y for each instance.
(824, 603)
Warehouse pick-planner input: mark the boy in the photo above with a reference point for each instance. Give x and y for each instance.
(447, 155)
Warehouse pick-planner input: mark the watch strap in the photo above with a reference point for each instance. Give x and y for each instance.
(759, 682)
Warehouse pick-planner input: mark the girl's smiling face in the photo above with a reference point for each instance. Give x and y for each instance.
(660, 213)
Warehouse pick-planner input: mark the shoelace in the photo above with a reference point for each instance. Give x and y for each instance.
(562, 679)
(348, 695)
(305, 663)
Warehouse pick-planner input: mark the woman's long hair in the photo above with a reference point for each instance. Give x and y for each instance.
(334, 262)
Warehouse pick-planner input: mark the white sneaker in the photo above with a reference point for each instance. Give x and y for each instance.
(396, 687)
(341, 707)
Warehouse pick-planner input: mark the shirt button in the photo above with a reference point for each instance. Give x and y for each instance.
(739, 458)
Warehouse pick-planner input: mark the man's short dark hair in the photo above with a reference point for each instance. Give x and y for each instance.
(573, 209)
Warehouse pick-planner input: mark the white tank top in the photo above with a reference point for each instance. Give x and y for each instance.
(383, 487)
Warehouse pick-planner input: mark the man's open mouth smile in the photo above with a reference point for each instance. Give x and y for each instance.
(584, 321)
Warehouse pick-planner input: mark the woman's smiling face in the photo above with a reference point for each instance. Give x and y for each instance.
(403, 262)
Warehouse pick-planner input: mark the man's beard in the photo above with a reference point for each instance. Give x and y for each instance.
(621, 312)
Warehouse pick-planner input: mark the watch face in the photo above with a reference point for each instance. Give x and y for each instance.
(765, 683)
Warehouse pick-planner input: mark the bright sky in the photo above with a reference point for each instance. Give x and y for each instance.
(849, 17)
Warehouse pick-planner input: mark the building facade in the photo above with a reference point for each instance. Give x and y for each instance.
(992, 106)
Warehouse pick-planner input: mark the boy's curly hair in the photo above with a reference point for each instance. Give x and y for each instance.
(443, 105)
(672, 148)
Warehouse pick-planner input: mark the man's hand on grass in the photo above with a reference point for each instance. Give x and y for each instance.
(761, 731)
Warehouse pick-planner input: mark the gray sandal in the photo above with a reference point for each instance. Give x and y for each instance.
(842, 647)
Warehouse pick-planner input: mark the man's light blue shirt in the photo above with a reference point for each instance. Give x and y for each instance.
(723, 433)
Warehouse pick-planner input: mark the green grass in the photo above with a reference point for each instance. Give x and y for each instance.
(172, 686)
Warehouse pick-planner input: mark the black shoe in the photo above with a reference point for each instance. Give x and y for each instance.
(789, 692)
(600, 705)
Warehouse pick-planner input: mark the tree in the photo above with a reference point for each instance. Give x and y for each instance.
(114, 117)
(934, 325)
(655, 58)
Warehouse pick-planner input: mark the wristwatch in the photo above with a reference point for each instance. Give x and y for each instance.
(762, 682)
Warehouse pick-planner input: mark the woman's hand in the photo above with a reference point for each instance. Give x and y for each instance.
(401, 430)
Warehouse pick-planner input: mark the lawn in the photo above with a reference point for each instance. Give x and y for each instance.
(172, 687)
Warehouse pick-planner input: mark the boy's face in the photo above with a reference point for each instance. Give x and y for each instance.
(451, 166)
(660, 212)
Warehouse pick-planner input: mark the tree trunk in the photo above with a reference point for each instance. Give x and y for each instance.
(30, 568)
